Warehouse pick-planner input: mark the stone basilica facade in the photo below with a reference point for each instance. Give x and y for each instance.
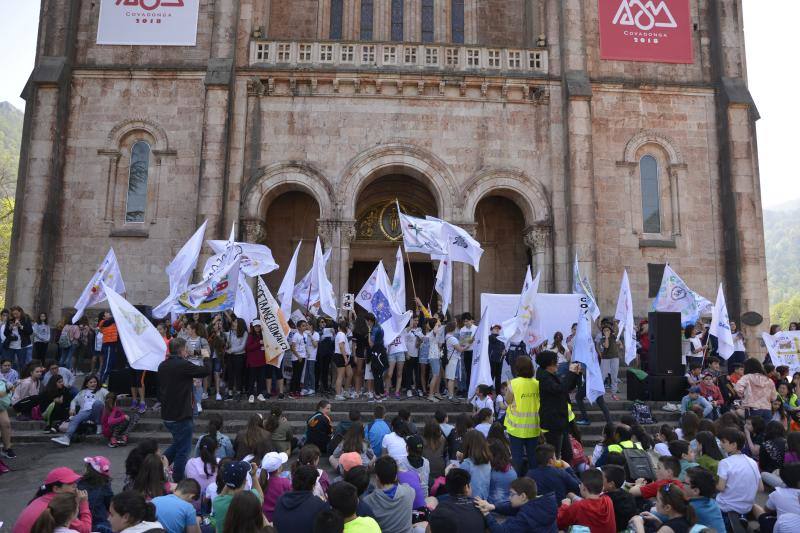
(305, 117)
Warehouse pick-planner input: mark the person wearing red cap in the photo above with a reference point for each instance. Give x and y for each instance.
(57, 481)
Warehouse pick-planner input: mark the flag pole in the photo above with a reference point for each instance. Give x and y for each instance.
(408, 263)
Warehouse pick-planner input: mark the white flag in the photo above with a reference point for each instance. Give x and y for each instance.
(107, 273)
(624, 314)
(399, 281)
(307, 292)
(274, 327)
(245, 305)
(143, 344)
(481, 369)
(254, 259)
(525, 284)
(721, 326)
(584, 352)
(327, 298)
(420, 235)
(526, 325)
(377, 297)
(461, 246)
(179, 271)
(444, 283)
(582, 286)
(287, 285)
(675, 296)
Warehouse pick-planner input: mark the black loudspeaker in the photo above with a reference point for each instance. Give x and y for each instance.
(637, 389)
(666, 388)
(665, 344)
(119, 381)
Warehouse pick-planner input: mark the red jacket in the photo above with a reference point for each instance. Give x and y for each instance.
(711, 391)
(254, 350)
(597, 515)
(82, 524)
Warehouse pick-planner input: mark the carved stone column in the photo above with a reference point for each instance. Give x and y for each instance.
(537, 239)
(347, 233)
(254, 231)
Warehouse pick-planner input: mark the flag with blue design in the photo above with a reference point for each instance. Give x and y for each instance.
(420, 235)
(377, 297)
(584, 352)
(675, 296)
(460, 244)
(582, 286)
(721, 326)
(180, 270)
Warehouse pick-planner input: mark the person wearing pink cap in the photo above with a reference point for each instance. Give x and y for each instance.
(59, 480)
(96, 481)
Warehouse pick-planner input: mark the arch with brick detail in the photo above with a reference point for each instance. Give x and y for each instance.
(396, 158)
(273, 180)
(528, 193)
(642, 138)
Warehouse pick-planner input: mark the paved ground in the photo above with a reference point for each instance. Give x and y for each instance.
(32, 464)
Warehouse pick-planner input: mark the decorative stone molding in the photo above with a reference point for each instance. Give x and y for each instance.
(143, 124)
(527, 192)
(383, 159)
(536, 238)
(271, 181)
(254, 231)
(347, 231)
(646, 137)
(326, 229)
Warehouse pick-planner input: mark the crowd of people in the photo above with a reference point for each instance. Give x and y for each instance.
(516, 463)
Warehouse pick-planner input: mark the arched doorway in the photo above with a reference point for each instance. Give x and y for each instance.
(500, 227)
(377, 232)
(290, 217)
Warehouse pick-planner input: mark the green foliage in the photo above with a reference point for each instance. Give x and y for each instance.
(10, 142)
(782, 242)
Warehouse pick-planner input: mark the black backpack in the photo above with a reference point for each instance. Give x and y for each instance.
(641, 412)
(515, 351)
(378, 360)
(638, 464)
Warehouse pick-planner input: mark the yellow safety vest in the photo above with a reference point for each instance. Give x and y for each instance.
(617, 448)
(570, 414)
(522, 416)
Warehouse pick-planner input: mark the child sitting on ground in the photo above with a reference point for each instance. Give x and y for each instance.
(694, 402)
(693, 376)
(700, 488)
(96, 481)
(667, 471)
(482, 399)
(624, 503)
(739, 478)
(115, 423)
(595, 510)
(680, 450)
(550, 477)
(176, 511)
(483, 421)
(529, 512)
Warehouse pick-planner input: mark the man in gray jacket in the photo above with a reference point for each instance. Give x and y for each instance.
(391, 502)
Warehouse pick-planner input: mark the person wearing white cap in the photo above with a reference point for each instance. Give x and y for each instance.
(274, 482)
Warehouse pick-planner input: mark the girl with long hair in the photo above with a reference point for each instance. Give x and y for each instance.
(54, 403)
(354, 441)
(245, 515)
(280, 430)
(252, 440)
(672, 503)
(58, 515)
(434, 447)
(41, 337)
(87, 405)
(256, 362)
(475, 458)
(708, 452)
(152, 480)
(96, 481)
(130, 512)
(203, 468)
(133, 463)
(502, 473)
(224, 444)
(309, 455)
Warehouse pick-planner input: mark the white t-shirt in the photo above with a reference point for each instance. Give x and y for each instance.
(297, 342)
(15, 344)
(328, 333)
(662, 449)
(696, 345)
(395, 445)
(500, 405)
(484, 428)
(311, 350)
(738, 342)
(466, 335)
(741, 477)
(485, 403)
(411, 336)
(784, 500)
(451, 344)
(88, 401)
(433, 346)
(98, 341)
(562, 357)
(398, 345)
(341, 338)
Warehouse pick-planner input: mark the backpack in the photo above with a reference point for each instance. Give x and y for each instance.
(63, 340)
(641, 412)
(638, 464)
(378, 361)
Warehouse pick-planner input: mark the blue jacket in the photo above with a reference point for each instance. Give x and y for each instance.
(557, 480)
(537, 515)
(375, 431)
(702, 402)
(295, 511)
(708, 513)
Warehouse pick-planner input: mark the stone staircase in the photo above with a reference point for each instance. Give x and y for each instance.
(235, 415)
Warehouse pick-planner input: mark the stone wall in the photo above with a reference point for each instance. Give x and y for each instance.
(501, 22)
(293, 20)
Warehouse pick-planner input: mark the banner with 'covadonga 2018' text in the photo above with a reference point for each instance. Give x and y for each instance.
(646, 30)
(148, 22)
